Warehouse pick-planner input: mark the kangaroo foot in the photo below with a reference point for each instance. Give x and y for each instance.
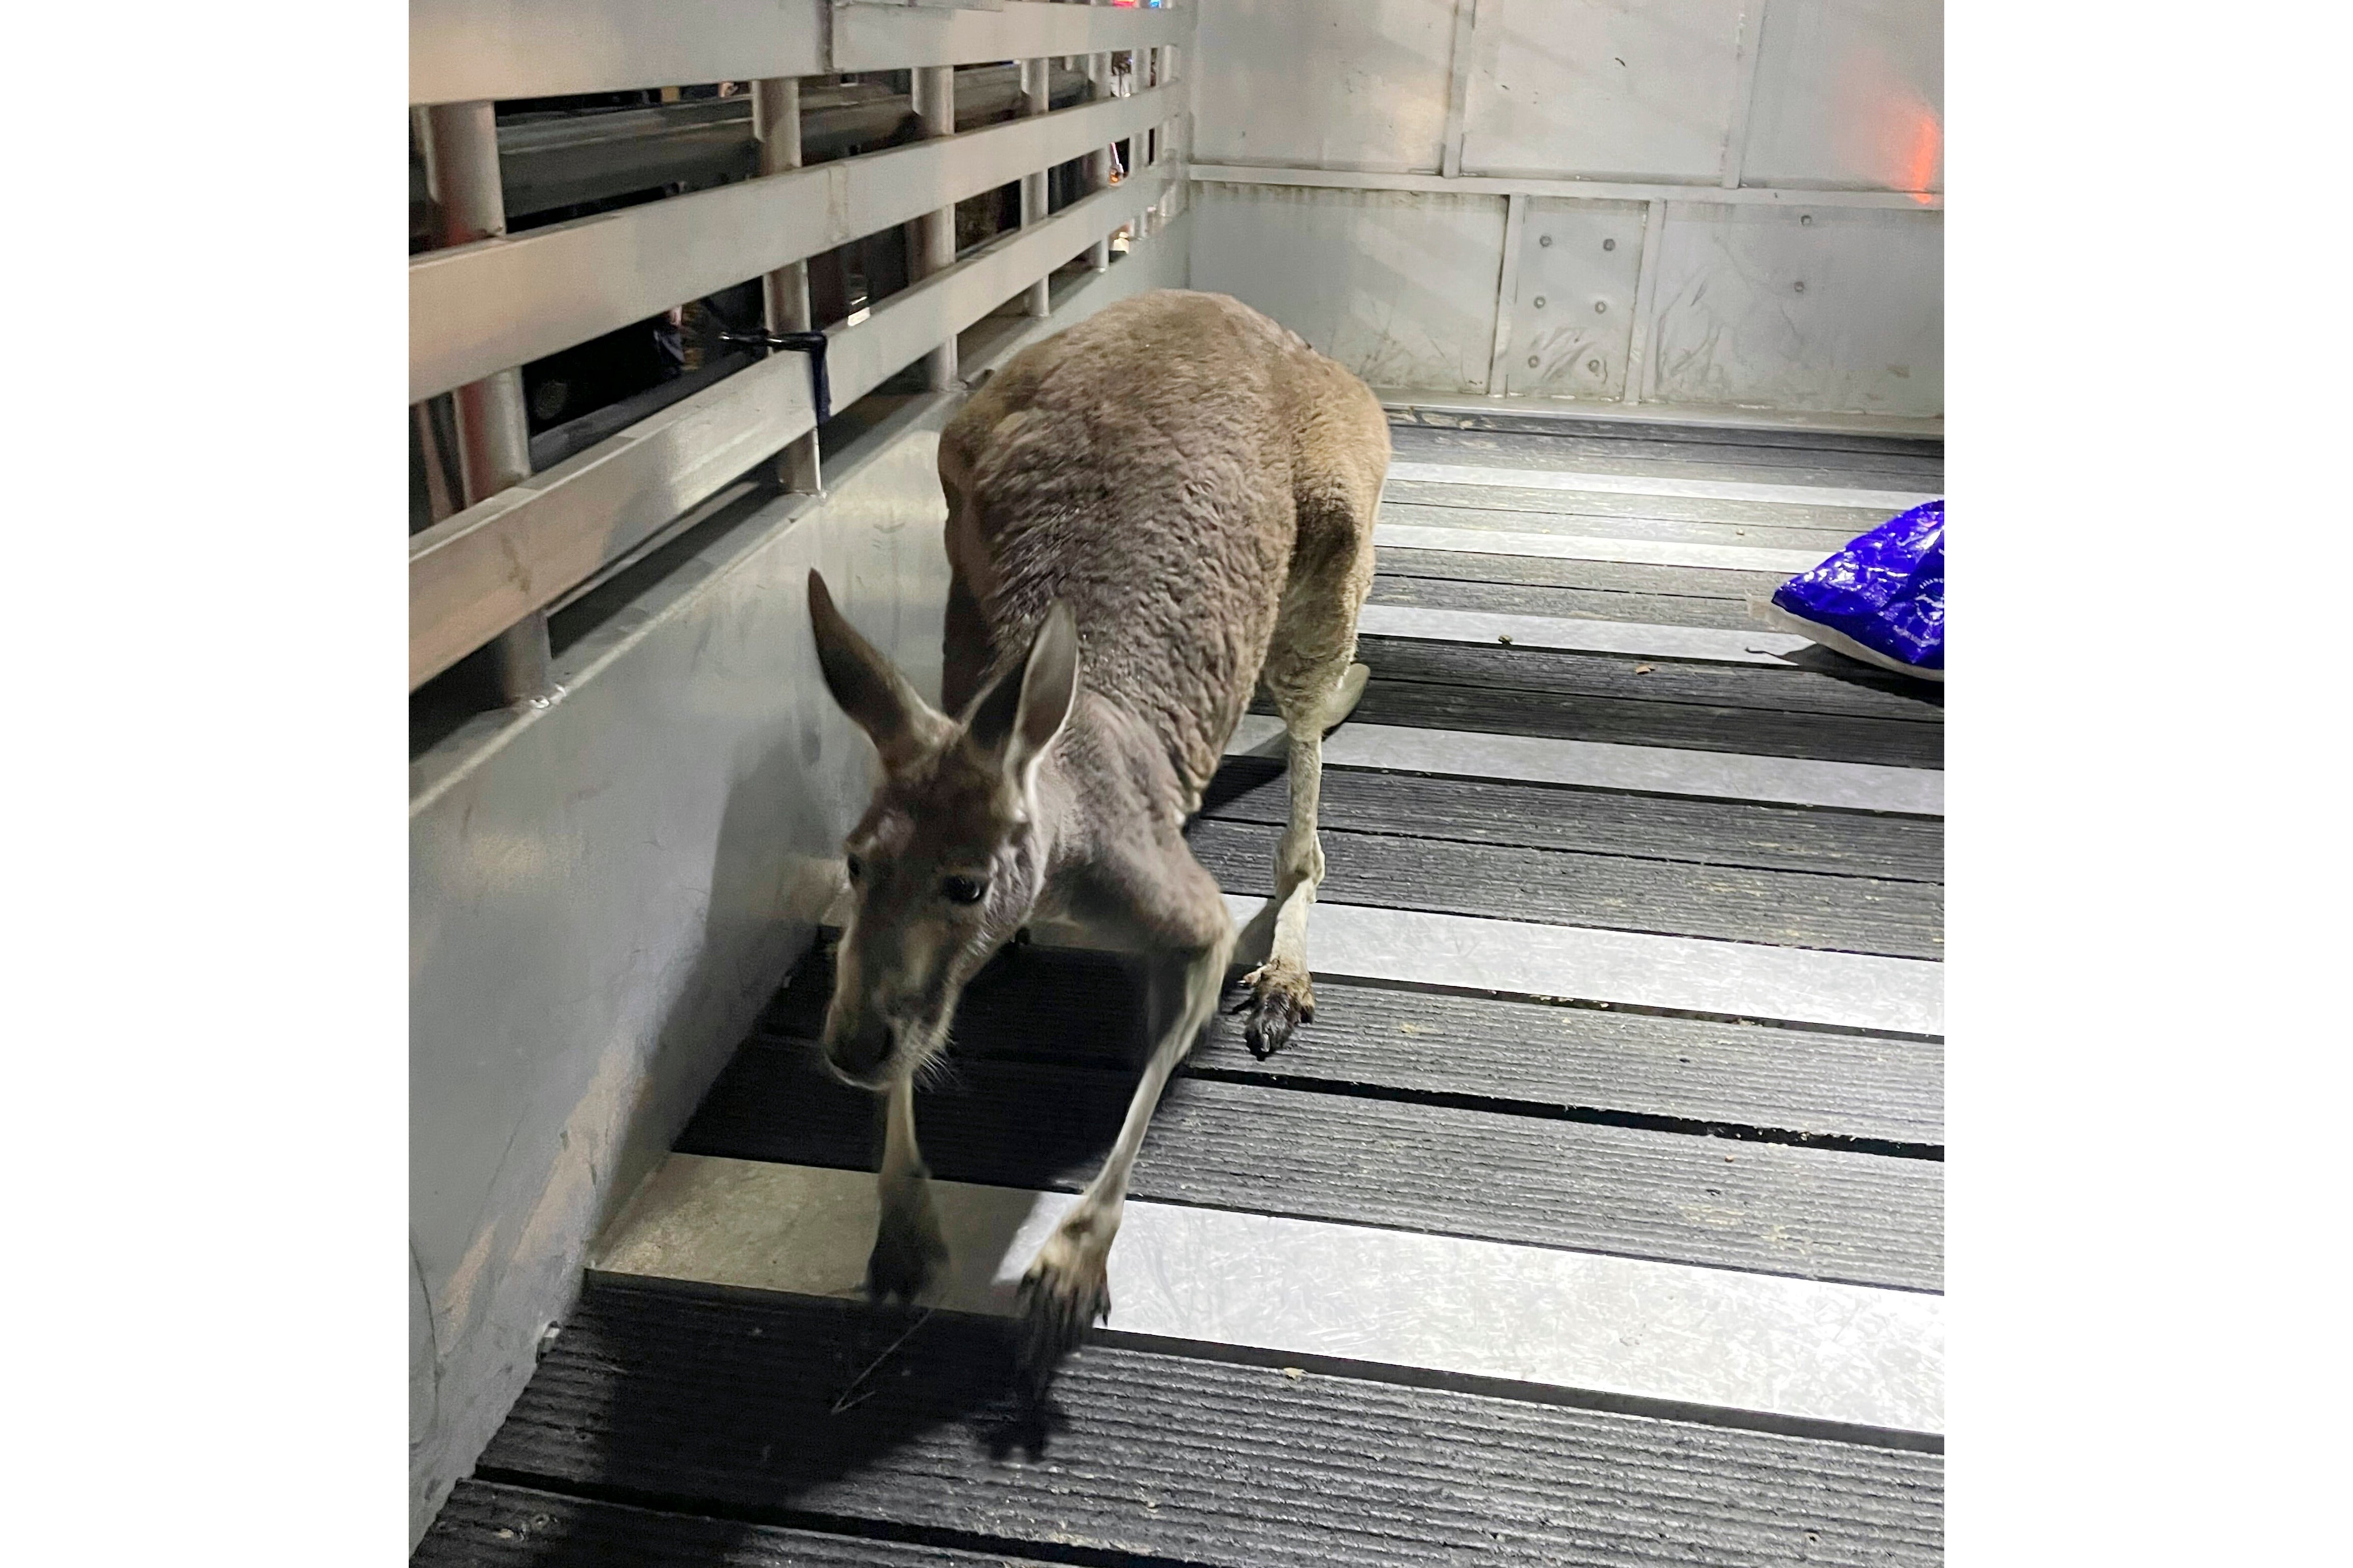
(908, 1250)
(1281, 999)
(1066, 1292)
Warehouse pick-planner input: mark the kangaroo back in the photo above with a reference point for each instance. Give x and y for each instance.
(1146, 468)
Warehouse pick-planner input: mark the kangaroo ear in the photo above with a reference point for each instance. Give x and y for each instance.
(1021, 712)
(869, 689)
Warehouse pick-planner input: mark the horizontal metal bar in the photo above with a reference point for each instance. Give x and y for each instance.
(1596, 547)
(1573, 189)
(911, 323)
(1579, 636)
(1885, 501)
(561, 160)
(476, 574)
(1406, 399)
(503, 302)
(1635, 1331)
(462, 50)
(889, 37)
(473, 575)
(1637, 969)
(1600, 764)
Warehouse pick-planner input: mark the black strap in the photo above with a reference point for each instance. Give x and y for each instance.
(810, 343)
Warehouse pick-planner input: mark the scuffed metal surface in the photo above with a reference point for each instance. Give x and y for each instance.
(1400, 287)
(1603, 89)
(1359, 85)
(1850, 94)
(1837, 309)
(1573, 311)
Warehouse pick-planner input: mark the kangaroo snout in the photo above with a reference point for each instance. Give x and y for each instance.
(859, 1045)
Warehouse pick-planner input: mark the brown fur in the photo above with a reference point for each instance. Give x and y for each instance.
(1149, 515)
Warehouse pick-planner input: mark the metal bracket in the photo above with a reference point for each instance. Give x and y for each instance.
(811, 343)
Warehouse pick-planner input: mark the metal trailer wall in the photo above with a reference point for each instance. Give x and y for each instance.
(1693, 204)
(604, 888)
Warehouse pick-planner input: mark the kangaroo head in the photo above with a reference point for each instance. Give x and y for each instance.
(947, 863)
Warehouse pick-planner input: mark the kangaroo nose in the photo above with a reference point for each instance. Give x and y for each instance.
(857, 1047)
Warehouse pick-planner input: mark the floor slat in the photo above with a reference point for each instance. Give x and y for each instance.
(738, 1407)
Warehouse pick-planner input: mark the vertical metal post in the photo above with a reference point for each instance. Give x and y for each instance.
(935, 251)
(1099, 160)
(461, 175)
(1646, 293)
(1458, 85)
(1037, 92)
(1147, 142)
(776, 122)
(1507, 290)
(1744, 93)
(1173, 138)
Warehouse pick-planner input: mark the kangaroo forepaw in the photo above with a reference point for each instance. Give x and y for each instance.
(1066, 1291)
(908, 1252)
(1281, 1000)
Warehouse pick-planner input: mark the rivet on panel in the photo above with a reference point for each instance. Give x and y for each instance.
(1806, 219)
(1544, 239)
(1608, 244)
(1600, 306)
(1532, 362)
(1800, 287)
(1594, 365)
(1539, 301)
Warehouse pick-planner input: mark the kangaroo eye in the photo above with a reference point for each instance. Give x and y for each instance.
(857, 867)
(963, 890)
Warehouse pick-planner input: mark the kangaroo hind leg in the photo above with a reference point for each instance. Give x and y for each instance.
(1315, 684)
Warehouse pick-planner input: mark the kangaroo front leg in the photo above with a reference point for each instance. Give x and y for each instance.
(1282, 996)
(908, 1246)
(1068, 1287)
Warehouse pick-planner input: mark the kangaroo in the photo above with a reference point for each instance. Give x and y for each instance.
(1149, 514)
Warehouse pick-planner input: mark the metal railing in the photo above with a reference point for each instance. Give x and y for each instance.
(486, 303)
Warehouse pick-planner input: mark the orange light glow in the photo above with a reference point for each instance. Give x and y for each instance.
(1887, 131)
(1926, 158)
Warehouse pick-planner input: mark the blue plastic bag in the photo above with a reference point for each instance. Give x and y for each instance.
(1881, 599)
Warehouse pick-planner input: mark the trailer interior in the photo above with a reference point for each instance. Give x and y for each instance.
(1597, 1216)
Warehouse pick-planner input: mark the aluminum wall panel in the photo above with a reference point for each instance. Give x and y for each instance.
(1837, 310)
(599, 907)
(604, 891)
(1572, 316)
(1397, 286)
(1850, 92)
(1603, 88)
(1330, 84)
